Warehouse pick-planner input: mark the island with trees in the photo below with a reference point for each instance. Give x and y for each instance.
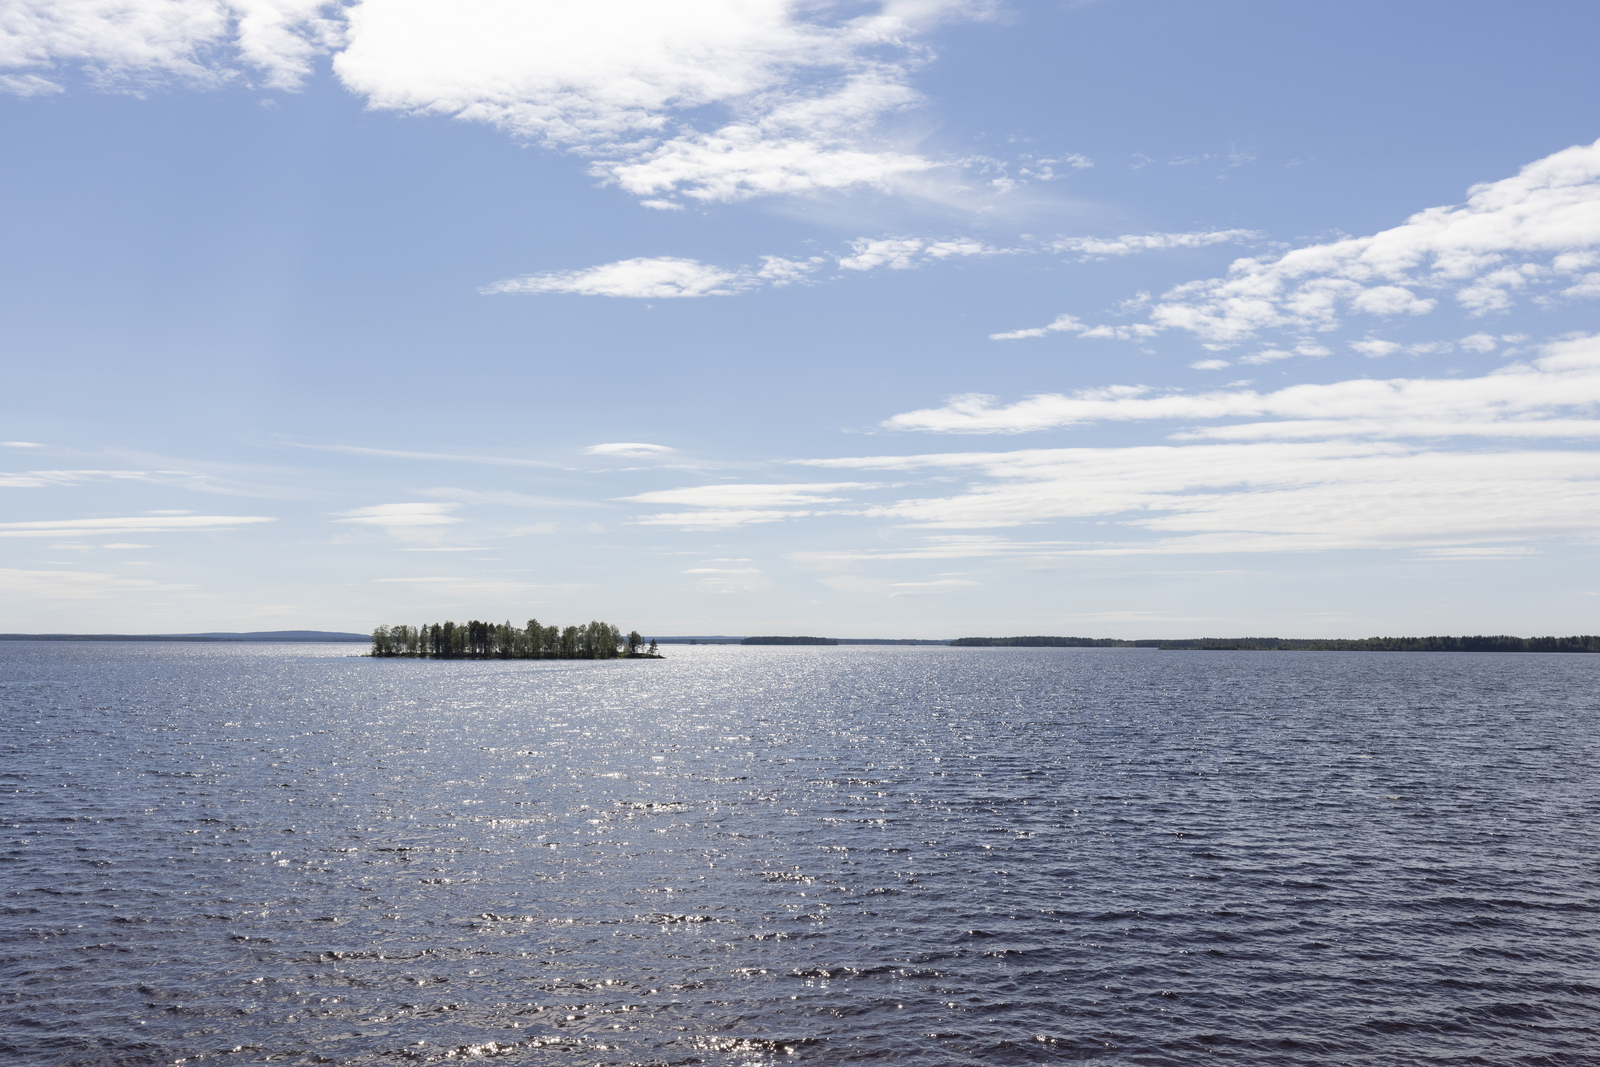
(506, 640)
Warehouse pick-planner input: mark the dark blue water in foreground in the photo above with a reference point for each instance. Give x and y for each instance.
(242, 854)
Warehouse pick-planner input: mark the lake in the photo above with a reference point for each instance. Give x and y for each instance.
(229, 854)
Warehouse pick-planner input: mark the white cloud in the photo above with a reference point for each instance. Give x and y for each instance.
(1484, 254)
(703, 99)
(1375, 349)
(20, 444)
(1210, 364)
(1273, 355)
(1550, 209)
(28, 85)
(933, 588)
(730, 579)
(751, 496)
(664, 277)
(416, 522)
(41, 479)
(1552, 396)
(131, 44)
(627, 449)
(904, 253)
(507, 497)
(416, 514)
(126, 544)
(142, 524)
(454, 586)
(797, 98)
(444, 457)
(1070, 324)
(1241, 497)
(743, 504)
(1129, 243)
(74, 585)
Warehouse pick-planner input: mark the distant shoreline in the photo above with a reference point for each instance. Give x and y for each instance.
(1480, 643)
(326, 636)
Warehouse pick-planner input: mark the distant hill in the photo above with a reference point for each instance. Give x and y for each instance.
(699, 639)
(255, 635)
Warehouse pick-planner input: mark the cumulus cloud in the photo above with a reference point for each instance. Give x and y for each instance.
(1470, 252)
(131, 44)
(798, 99)
(668, 99)
(1551, 397)
(904, 253)
(1537, 230)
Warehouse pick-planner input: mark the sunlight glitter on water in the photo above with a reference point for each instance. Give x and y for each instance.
(736, 855)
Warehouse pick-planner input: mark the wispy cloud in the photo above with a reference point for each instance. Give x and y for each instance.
(670, 277)
(665, 277)
(631, 450)
(1089, 248)
(139, 523)
(743, 504)
(441, 457)
(75, 585)
(1549, 397)
(416, 521)
(1069, 324)
(509, 498)
(1246, 497)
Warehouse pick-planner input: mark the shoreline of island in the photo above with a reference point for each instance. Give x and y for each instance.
(467, 647)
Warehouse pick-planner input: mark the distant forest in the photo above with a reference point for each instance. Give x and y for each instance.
(488, 640)
(1498, 643)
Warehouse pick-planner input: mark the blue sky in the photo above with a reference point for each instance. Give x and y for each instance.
(907, 319)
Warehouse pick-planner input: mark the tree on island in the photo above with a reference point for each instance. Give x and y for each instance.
(488, 640)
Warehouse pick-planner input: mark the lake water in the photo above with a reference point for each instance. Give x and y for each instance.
(228, 854)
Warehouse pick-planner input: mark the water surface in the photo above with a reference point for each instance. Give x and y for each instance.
(241, 854)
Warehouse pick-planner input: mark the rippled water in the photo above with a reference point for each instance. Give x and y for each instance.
(235, 854)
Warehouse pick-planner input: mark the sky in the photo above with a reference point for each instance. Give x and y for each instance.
(912, 318)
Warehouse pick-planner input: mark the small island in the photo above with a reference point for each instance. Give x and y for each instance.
(489, 640)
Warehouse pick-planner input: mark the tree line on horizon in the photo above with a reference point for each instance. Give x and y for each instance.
(1478, 643)
(489, 640)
